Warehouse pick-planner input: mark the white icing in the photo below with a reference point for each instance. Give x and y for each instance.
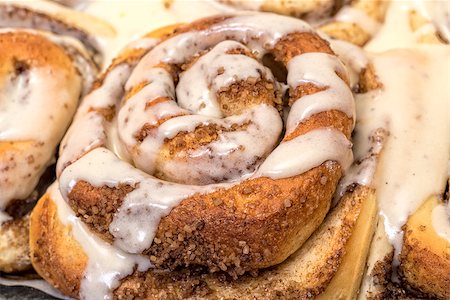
(135, 223)
(353, 57)
(106, 265)
(441, 222)
(362, 171)
(396, 31)
(413, 106)
(240, 4)
(439, 14)
(87, 130)
(245, 28)
(232, 156)
(199, 96)
(356, 16)
(320, 69)
(306, 152)
(29, 96)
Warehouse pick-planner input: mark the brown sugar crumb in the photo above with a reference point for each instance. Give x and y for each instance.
(147, 129)
(217, 201)
(287, 203)
(201, 136)
(247, 190)
(368, 80)
(242, 95)
(96, 206)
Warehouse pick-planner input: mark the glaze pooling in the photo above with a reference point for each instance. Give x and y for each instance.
(413, 163)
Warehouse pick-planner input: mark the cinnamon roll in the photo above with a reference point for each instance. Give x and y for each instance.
(177, 174)
(42, 77)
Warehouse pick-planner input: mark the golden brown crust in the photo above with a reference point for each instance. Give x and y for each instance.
(425, 257)
(58, 257)
(246, 212)
(22, 50)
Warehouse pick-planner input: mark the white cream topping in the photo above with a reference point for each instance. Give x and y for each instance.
(107, 265)
(353, 57)
(441, 222)
(135, 223)
(321, 70)
(396, 31)
(241, 4)
(29, 96)
(356, 16)
(413, 106)
(306, 152)
(38, 284)
(89, 132)
(439, 14)
(363, 171)
(245, 28)
(229, 158)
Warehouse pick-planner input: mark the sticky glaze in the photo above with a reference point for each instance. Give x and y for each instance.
(106, 264)
(413, 106)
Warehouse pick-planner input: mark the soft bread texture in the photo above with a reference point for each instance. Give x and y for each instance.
(14, 245)
(59, 259)
(346, 282)
(425, 257)
(283, 212)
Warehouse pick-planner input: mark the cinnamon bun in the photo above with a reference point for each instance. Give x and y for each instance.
(42, 77)
(156, 194)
